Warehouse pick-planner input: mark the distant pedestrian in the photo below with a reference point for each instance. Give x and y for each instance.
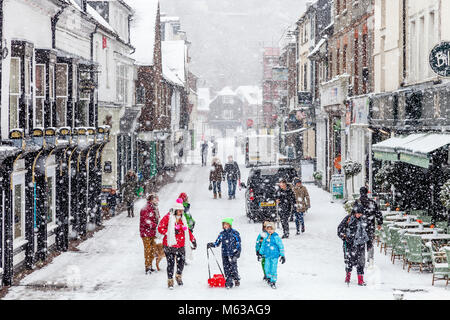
(232, 174)
(149, 220)
(272, 249)
(352, 231)
(214, 148)
(215, 177)
(302, 203)
(176, 242)
(128, 189)
(231, 251)
(204, 152)
(259, 241)
(285, 199)
(373, 217)
(112, 202)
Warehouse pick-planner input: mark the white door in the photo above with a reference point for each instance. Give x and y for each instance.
(18, 205)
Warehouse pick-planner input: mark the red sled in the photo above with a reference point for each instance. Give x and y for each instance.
(217, 280)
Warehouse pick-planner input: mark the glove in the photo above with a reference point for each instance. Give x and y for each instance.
(283, 260)
(194, 243)
(259, 256)
(210, 245)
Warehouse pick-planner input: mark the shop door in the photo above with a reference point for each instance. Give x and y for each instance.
(18, 205)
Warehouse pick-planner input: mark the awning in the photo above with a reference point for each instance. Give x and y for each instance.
(414, 149)
(295, 131)
(128, 120)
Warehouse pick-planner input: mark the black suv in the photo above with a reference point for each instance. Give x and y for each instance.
(262, 185)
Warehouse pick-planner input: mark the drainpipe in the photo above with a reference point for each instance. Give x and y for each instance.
(54, 21)
(1, 61)
(92, 42)
(404, 40)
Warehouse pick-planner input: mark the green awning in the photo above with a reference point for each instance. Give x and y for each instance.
(416, 160)
(388, 156)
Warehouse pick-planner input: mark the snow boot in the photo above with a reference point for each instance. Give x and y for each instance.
(303, 228)
(285, 236)
(220, 195)
(170, 284)
(361, 280)
(149, 270)
(347, 277)
(229, 198)
(215, 195)
(178, 279)
(237, 283)
(273, 285)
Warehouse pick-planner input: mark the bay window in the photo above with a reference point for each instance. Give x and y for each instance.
(14, 93)
(40, 95)
(61, 91)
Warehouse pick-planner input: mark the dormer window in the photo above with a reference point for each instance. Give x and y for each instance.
(81, 4)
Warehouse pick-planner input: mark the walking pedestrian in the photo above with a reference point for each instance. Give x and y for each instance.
(128, 189)
(285, 198)
(176, 242)
(214, 147)
(204, 152)
(302, 203)
(149, 218)
(183, 198)
(216, 176)
(373, 217)
(272, 249)
(259, 241)
(112, 202)
(352, 231)
(231, 251)
(232, 174)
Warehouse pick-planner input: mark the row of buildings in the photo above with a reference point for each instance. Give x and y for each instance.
(89, 90)
(355, 81)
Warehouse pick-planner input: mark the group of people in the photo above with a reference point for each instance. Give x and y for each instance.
(357, 231)
(204, 150)
(176, 227)
(128, 190)
(292, 203)
(218, 173)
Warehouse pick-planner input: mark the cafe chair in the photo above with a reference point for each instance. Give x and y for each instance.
(417, 252)
(440, 261)
(398, 249)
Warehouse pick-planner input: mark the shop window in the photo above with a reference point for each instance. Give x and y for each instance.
(14, 93)
(40, 95)
(122, 83)
(83, 109)
(18, 211)
(51, 195)
(61, 93)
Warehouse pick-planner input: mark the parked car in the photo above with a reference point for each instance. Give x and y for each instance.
(262, 185)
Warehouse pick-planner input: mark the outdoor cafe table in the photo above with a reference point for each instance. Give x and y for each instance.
(438, 237)
(423, 231)
(399, 218)
(409, 225)
(386, 213)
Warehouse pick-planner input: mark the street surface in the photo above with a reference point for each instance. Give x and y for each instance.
(111, 264)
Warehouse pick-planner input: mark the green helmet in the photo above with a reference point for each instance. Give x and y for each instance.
(228, 220)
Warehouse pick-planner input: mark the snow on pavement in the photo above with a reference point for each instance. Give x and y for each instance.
(111, 264)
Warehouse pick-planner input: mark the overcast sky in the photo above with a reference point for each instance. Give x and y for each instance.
(227, 35)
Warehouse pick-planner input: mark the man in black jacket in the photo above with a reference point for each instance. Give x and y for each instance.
(233, 174)
(352, 231)
(286, 201)
(372, 215)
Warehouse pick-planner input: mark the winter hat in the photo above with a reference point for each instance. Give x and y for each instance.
(357, 208)
(179, 200)
(183, 196)
(177, 206)
(270, 224)
(228, 220)
(296, 180)
(363, 191)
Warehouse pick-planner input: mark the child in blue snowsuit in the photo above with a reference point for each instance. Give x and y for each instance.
(231, 251)
(259, 242)
(271, 249)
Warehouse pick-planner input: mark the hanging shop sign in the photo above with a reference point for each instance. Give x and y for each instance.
(360, 110)
(280, 73)
(87, 85)
(337, 186)
(440, 59)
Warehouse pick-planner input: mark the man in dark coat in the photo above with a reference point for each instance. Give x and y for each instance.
(286, 201)
(128, 189)
(233, 174)
(204, 152)
(372, 215)
(352, 231)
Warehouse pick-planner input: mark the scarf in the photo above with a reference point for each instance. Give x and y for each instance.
(171, 239)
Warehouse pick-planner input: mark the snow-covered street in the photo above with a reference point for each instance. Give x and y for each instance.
(111, 264)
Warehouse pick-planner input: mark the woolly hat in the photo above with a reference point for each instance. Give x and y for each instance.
(183, 196)
(228, 220)
(178, 206)
(357, 208)
(296, 180)
(270, 224)
(363, 191)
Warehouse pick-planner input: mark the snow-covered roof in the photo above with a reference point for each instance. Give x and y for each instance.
(391, 144)
(227, 91)
(317, 47)
(99, 18)
(252, 94)
(204, 99)
(143, 29)
(174, 60)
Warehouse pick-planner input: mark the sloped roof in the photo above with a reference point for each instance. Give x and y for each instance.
(204, 99)
(97, 17)
(174, 60)
(252, 94)
(227, 91)
(143, 29)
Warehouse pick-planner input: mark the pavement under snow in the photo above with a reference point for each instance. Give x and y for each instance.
(111, 264)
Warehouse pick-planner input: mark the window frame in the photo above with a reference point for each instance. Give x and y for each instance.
(15, 94)
(65, 97)
(41, 97)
